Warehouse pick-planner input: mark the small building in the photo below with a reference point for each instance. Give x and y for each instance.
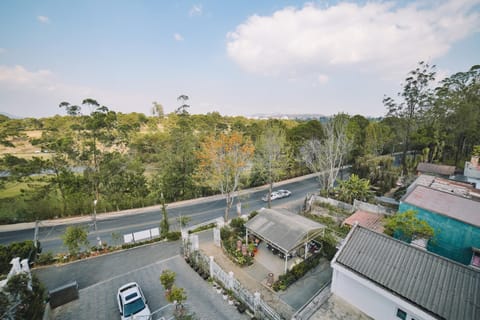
(389, 279)
(435, 169)
(284, 230)
(472, 171)
(369, 220)
(455, 217)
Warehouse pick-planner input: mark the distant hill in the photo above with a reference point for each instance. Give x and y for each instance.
(11, 116)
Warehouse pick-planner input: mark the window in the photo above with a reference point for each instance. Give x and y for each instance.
(401, 314)
(475, 258)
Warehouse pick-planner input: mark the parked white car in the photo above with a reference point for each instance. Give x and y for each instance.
(132, 303)
(277, 195)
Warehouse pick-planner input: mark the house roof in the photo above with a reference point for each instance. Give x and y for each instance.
(450, 205)
(435, 284)
(440, 169)
(372, 221)
(285, 229)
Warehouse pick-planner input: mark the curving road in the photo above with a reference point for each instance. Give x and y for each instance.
(199, 210)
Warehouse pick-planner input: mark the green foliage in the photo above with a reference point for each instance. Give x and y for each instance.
(74, 238)
(476, 151)
(31, 301)
(378, 170)
(238, 226)
(167, 279)
(203, 228)
(353, 188)
(45, 259)
(252, 214)
(297, 272)
(229, 243)
(23, 250)
(177, 294)
(406, 226)
(173, 235)
(329, 245)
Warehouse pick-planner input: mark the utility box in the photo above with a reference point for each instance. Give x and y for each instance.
(64, 294)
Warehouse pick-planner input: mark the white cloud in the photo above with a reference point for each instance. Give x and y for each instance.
(378, 36)
(178, 37)
(18, 75)
(196, 10)
(43, 19)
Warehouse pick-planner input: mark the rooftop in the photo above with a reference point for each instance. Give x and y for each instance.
(284, 229)
(439, 286)
(444, 203)
(440, 169)
(372, 221)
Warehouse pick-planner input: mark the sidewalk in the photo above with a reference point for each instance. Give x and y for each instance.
(108, 215)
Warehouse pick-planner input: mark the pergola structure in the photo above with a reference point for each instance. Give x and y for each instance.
(285, 230)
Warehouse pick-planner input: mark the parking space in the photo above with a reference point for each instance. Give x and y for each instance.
(98, 301)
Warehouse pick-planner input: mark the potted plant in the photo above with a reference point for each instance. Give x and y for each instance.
(241, 307)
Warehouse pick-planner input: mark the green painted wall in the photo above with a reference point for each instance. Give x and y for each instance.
(453, 239)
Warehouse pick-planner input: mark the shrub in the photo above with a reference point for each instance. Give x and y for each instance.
(298, 271)
(203, 228)
(45, 259)
(173, 235)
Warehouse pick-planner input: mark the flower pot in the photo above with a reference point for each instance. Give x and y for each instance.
(231, 302)
(219, 290)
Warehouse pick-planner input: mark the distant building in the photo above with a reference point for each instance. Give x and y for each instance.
(435, 169)
(453, 210)
(389, 279)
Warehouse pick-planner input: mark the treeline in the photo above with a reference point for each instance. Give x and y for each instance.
(94, 158)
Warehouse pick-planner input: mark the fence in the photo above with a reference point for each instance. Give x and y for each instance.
(254, 302)
(141, 235)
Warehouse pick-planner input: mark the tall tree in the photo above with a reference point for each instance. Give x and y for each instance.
(222, 160)
(415, 99)
(270, 154)
(458, 109)
(157, 109)
(325, 157)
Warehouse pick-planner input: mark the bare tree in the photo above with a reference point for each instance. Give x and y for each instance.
(270, 154)
(325, 157)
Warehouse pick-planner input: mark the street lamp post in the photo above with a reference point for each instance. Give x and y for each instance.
(99, 241)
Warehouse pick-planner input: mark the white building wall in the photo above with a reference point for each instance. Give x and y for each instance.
(371, 299)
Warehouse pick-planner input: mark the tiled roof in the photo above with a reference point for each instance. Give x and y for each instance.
(372, 221)
(436, 168)
(283, 228)
(453, 206)
(439, 286)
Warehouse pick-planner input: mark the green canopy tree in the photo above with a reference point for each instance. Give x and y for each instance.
(74, 238)
(406, 226)
(415, 98)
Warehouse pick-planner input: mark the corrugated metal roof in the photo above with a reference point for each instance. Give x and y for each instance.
(283, 228)
(453, 206)
(372, 221)
(436, 168)
(435, 284)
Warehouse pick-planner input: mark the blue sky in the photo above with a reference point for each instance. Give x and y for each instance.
(234, 57)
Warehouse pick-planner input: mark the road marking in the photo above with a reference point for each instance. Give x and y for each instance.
(122, 275)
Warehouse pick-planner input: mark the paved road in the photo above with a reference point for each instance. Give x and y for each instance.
(199, 210)
(99, 279)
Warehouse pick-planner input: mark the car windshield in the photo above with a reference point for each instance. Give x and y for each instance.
(133, 307)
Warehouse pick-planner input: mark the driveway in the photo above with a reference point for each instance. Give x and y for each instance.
(97, 297)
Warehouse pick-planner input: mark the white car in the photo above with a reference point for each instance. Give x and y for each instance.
(132, 303)
(279, 194)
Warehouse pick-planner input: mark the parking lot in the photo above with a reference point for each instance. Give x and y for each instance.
(97, 301)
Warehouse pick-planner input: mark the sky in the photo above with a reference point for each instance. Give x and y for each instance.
(233, 57)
